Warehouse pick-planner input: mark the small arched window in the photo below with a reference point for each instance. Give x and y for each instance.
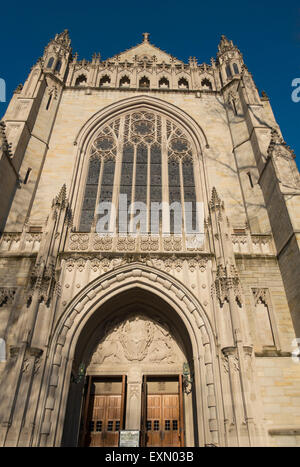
(235, 69)
(50, 62)
(80, 80)
(105, 81)
(163, 83)
(144, 82)
(2, 350)
(228, 71)
(58, 66)
(124, 82)
(205, 83)
(183, 83)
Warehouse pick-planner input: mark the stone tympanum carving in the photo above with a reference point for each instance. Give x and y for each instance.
(137, 339)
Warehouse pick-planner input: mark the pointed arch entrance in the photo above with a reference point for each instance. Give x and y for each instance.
(173, 305)
(135, 348)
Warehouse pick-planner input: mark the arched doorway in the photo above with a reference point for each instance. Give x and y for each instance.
(135, 349)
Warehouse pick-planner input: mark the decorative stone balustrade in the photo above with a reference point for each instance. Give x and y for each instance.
(259, 244)
(16, 242)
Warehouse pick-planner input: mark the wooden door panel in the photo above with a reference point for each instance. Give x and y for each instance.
(163, 420)
(103, 424)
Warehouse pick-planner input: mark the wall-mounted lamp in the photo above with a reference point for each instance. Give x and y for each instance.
(187, 379)
(80, 375)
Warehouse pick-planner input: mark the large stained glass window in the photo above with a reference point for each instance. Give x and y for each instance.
(141, 161)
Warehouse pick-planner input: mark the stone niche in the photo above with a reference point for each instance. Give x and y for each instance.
(140, 342)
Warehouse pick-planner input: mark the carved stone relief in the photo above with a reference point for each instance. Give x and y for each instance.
(138, 340)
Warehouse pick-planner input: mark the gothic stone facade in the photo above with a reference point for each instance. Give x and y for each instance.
(223, 314)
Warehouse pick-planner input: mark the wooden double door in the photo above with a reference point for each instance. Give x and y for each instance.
(161, 411)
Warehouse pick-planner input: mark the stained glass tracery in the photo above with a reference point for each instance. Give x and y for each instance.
(142, 142)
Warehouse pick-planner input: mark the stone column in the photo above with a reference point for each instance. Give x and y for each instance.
(134, 400)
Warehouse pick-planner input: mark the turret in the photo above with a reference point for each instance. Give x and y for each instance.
(230, 60)
(57, 55)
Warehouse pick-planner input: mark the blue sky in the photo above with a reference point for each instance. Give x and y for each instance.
(268, 35)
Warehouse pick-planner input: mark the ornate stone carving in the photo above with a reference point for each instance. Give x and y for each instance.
(7, 295)
(172, 244)
(95, 264)
(137, 339)
(102, 243)
(149, 244)
(135, 336)
(261, 295)
(70, 263)
(126, 244)
(227, 278)
(80, 264)
(79, 241)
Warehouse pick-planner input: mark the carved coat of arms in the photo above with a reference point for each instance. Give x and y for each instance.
(136, 336)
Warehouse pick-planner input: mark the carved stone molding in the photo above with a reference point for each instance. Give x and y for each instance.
(7, 295)
(110, 261)
(172, 244)
(261, 295)
(79, 242)
(102, 243)
(227, 278)
(126, 244)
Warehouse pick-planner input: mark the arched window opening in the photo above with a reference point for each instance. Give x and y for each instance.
(2, 350)
(58, 66)
(205, 83)
(144, 83)
(266, 334)
(50, 62)
(250, 179)
(183, 83)
(81, 80)
(49, 102)
(163, 83)
(105, 81)
(124, 82)
(151, 175)
(228, 71)
(235, 69)
(26, 178)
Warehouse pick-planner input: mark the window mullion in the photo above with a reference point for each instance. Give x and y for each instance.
(133, 187)
(164, 176)
(94, 224)
(182, 198)
(118, 172)
(148, 188)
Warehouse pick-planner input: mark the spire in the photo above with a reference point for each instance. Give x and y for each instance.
(63, 38)
(225, 44)
(215, 201)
